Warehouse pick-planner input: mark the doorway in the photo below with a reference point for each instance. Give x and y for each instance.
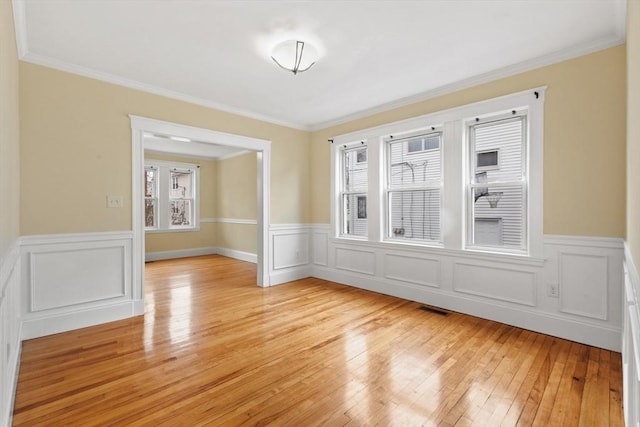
(140, 128)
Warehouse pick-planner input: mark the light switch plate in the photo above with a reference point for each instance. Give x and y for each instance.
(114, 201)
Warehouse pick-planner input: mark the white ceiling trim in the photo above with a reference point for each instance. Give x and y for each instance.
(19, 12)
(494, 75)
(133, 84)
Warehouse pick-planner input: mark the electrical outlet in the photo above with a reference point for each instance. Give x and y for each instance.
(114, 201)
(552, 290)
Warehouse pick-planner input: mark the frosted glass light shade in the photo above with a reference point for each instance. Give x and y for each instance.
(294, 55)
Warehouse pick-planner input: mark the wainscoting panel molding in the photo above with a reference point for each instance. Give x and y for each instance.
(320, 250)
(631, 342)
(10, 331)
(412, 269)
(76, 280)
(355, 260)
(573, 292)
(290, 249)
(580, 276)
(495, 282)
(290, 252)
(59, 277)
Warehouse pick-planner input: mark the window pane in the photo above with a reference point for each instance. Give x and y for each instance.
(409, 168)
(415, 215)
(502, 225)
(354, 214)
(181, 185)
(487, 159)
(414, 145)
(180, 212)
(361, 155)
(355, 172)
(151, 177)
(150, 213)
(505, 137)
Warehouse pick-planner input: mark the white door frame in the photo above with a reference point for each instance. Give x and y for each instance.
(140, 125)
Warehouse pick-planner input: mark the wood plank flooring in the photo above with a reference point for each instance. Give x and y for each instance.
(214, 349)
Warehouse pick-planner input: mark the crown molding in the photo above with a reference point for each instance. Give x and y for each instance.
(508, 71)
(155, 90)
(19, 13)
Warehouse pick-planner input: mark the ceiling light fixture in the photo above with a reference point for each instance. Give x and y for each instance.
(294, 55)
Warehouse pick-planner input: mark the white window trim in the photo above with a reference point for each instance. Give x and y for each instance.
(453, 222)
(163, 200)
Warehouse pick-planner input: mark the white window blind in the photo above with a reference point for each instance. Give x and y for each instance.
(414, 187)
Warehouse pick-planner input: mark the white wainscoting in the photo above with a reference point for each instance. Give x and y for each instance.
(290, 245)
(585, 273)
(71, 281)
(631, 343)
(10, 333)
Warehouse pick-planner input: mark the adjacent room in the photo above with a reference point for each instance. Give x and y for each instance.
(320, 213)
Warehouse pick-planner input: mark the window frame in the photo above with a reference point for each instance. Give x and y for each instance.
(388, 234)
(164, 199)
(454, 175)
(522, 183)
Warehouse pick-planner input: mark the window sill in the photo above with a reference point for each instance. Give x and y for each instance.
(436, 249)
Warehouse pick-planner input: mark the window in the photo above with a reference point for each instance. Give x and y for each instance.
(416, 145)
(487, 160)
(414, 187)
(353, 198)
(465, 179)
(171, 196)
(498, 195)
(361, 155)
(150, 197)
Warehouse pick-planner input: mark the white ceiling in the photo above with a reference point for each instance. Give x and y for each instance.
(373, 54)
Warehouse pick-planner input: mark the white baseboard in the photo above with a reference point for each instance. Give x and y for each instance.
(597, 335)
(210, 250)
(180, 253)
(242, 256)
(289, 275)
(35, 327)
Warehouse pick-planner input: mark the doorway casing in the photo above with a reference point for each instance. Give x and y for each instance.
(140, 125)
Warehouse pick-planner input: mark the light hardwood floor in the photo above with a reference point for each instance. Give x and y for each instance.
(214, 349)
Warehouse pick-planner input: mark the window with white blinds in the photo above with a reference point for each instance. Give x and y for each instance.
(414, 187)
(464, 179)
(498, 193)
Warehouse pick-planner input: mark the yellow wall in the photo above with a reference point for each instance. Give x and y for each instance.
(584, 141)
(236, 187)
(633, 129)
(73, 126)
(238, 199)
(76, 149)
(239, 237)
(9, 132)
(205, 237)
